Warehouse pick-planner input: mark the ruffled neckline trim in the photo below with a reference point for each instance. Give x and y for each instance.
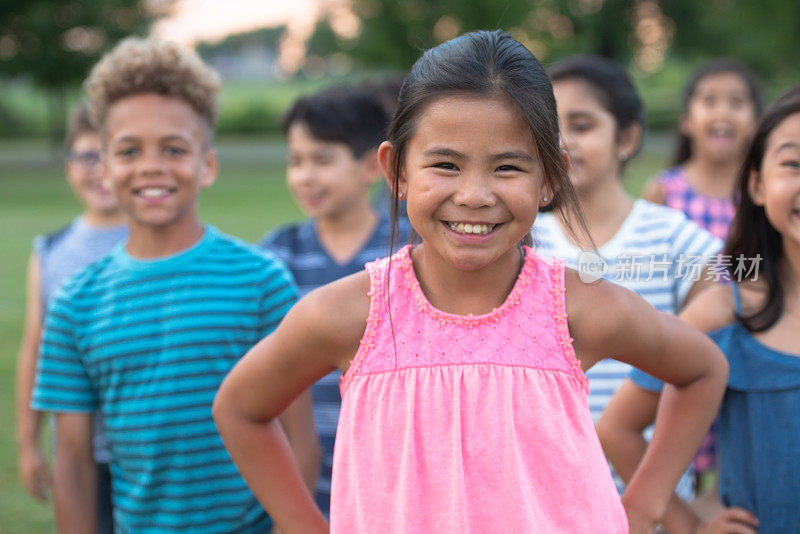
(470, 320)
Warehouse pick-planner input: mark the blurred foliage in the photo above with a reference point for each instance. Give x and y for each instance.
(232, 44)
(643, 34)
(47, 47)
(660, 41)
(54, 43)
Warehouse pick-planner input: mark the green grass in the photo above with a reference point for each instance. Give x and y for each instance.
(248, 199)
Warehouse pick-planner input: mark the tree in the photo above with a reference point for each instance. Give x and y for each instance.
(763, 33)
(54, 43)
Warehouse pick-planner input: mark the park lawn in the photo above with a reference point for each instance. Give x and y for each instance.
(248, 199)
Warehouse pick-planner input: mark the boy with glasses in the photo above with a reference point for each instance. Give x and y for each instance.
(55, 257)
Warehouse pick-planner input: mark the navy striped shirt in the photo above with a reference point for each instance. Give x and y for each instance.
(298, 245)
(148, 344)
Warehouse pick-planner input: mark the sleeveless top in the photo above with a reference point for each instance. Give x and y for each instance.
(466, 424)
(715, 214)
(62, 254)
(759, 430)
(69, 250)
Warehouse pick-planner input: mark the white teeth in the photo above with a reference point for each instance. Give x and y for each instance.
(153, 192)
(722, 130)
(468, 228)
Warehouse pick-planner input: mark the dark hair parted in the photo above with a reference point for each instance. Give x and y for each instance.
(683, 145)
(489, 64)
(342, 114)
(78, 123)
(751, 233)
(610, 83)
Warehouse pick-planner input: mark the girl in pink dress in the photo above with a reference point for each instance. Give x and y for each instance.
(464, 396)
(720, 105)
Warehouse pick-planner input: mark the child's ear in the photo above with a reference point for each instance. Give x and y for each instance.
(546, 191)
(386, 161)
(629, 141)
(210, 168)
(565, 158)
(545, 195)
(755, 187)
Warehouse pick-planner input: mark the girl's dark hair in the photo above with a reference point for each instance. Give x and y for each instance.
(489, 64)
(683, 145)
(610, 83)
(751, 233)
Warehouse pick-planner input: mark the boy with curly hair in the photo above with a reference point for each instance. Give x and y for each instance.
(146, 334)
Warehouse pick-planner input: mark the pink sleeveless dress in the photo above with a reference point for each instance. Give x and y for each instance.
(469, 424)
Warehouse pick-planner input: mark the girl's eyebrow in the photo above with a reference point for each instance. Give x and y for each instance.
(787, 145)
(579, 114)
(449, 152)
(443, 151)
(513, 155)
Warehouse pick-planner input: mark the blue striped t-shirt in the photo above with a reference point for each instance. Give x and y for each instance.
(148, 344)
(298, 245)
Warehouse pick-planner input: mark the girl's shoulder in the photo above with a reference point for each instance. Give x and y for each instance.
(335, 315)
(659, 186)
(717, 306)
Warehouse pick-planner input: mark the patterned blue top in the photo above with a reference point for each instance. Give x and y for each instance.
(63, 253)
(298, 245)
(759, 428)
(148, 344)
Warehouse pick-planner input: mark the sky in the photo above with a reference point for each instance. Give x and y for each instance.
(212, 20)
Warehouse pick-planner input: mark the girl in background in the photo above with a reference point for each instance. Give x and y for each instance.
(755, 322)
(721, 103)
(641, 244)
(464, 396)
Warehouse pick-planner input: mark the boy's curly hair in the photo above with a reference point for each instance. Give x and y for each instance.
(139, 66)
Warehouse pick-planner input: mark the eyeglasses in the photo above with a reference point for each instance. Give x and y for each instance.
(87, 159)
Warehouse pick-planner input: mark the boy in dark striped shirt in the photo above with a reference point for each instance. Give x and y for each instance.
(333, 137)
(146, 334)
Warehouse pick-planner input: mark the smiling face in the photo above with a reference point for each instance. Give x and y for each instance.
(157, 160)
(720, 119)
(776, 187)
(324, 177)
(472, 178)
(85, 175)
(590, 135)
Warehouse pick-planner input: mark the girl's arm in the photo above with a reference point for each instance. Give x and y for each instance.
(632, 409)
(297, 422)
(629, 412)
(628, 329)
(319, 334)
(32, 464)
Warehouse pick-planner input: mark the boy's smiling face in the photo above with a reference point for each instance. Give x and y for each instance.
(324, 177)
(157, 160)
